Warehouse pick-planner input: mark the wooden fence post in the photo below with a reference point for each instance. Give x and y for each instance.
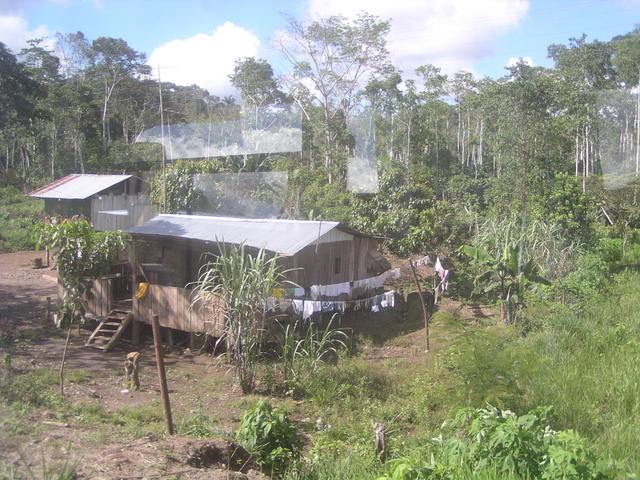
(162, 376)
(424, 307)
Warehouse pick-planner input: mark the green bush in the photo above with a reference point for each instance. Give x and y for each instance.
(270, 437)
(488, 364)
(303, 354)
(582, 283)
(590, 368)
(18, 213)
(501, 444)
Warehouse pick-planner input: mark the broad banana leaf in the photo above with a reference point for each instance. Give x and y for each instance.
(478, 255)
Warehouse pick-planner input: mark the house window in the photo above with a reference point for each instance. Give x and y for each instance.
(337, 267)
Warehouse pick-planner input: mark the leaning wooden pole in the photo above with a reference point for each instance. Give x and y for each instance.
(162, 376)
(424, 307)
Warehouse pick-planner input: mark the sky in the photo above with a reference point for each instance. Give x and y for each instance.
(198, 41)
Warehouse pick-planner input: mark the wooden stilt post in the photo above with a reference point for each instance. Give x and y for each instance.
(424, 307)
(136, 331)
(48, 310)
(162, 376)
(169, 334)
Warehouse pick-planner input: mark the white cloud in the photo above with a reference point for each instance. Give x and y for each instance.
(205, 60)
(513, 61)
(451, 34)
(14, 32)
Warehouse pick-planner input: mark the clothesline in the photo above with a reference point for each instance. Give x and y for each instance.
(306, 308)
(317, 292)
(443, 273)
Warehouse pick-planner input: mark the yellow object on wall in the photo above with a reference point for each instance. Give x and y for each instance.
(142, 290)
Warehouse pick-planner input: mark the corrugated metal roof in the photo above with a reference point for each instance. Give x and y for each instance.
(280, 236)
(78, 186)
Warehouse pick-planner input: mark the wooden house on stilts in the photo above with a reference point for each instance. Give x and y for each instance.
(168, 251)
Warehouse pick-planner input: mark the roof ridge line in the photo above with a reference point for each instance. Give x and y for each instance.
(246, 219)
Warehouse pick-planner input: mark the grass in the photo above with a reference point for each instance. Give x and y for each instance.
(585, 364)
(590, 370)
(198, 425)
(17, 216)
(66, 470)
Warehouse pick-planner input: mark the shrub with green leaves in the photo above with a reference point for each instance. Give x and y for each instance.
(508, 445)
(18, 213)
(268, 434)
(82, 255)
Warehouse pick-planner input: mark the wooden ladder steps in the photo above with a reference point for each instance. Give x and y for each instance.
(109, 330)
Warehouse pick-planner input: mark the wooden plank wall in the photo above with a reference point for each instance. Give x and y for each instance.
(139, 210)
(101, 301)
(315, 266)
(173, 307)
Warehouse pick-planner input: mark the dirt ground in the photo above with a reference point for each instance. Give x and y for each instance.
(37, 344)
(198, 383)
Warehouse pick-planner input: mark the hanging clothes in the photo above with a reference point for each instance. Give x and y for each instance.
(444, 283)
(438, 266)
(337, 289)
(283, 305)
(270, 303)
(422, 261)
(328, 307)
(310, 307)
(314, 292)
(390, 298)
(298, 306)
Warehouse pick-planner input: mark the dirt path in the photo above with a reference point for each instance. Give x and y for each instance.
(197, 383)
(405, 336)
(23, 291)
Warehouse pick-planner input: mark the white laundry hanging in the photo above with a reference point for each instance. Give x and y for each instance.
(438, 266)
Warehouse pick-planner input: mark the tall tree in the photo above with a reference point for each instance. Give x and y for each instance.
(583, 69)
(17, 90)
(19, 93)
(114, 61)
(627, 60)
(332, 59)
(256, 81)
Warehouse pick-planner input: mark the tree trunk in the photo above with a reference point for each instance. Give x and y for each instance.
(638, 126)
(577, 152)
(64, 356)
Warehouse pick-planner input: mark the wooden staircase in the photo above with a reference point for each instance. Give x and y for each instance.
(109, 330)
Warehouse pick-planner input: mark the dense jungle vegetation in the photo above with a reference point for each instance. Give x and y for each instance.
(536, 171)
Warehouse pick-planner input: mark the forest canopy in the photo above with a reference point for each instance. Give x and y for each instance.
(448, 151)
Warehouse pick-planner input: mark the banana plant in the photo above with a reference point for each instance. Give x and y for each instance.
(507, 274)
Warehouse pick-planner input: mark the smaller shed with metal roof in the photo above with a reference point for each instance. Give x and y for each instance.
(111, 202)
